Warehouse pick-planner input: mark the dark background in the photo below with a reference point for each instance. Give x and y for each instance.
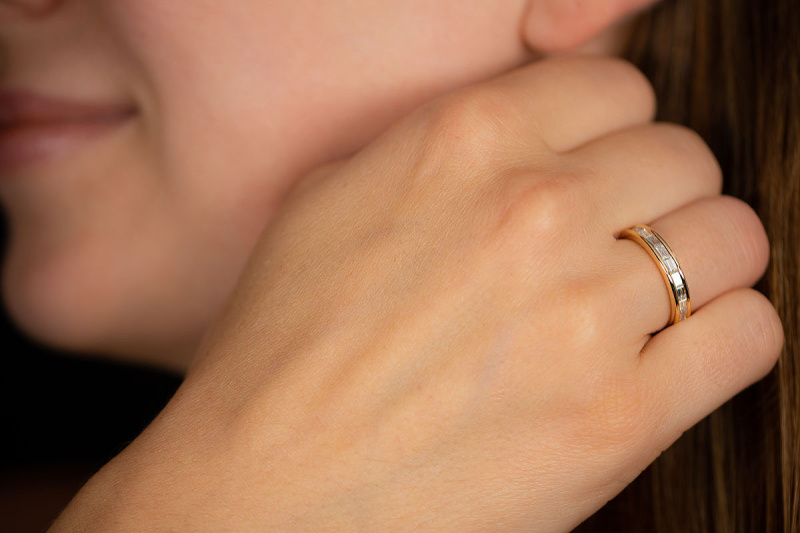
(61, 418)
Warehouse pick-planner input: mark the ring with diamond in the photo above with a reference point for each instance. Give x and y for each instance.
(659, 250)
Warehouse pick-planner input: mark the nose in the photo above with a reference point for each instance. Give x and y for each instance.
(31, 8)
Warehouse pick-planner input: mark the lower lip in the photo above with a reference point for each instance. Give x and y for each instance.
(28, 144)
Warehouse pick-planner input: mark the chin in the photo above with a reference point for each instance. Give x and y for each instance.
(67, 304)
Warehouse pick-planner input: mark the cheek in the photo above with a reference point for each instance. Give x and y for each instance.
(278, 87)
(226, 126)
(149, 248)
(114, 254)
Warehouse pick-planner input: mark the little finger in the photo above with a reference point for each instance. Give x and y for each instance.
(692, 368)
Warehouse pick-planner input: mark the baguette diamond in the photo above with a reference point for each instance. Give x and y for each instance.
(670, 269)
(683, 308)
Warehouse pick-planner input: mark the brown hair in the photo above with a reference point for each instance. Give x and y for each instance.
(730, 69)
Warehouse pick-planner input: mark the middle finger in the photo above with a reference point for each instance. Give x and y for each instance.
(643, 172)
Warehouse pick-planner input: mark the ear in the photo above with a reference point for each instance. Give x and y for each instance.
(562, 25)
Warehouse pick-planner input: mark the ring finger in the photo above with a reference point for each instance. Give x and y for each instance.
(720, 244)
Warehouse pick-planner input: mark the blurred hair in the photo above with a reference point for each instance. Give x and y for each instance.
(730, 69)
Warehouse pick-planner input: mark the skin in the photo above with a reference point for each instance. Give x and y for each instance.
(439, 354)
(227, 121)
(406, 312)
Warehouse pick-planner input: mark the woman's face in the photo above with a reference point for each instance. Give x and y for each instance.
(131, 217)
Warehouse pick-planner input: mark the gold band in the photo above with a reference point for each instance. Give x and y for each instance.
(659, 250)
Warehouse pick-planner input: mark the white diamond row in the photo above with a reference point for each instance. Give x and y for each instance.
(673, 270)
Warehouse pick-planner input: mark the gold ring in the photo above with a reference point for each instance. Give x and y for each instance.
(659, 250)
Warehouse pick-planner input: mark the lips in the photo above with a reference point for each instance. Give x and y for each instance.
(34, 128)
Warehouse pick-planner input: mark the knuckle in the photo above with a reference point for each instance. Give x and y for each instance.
(545, 210)
(683, 143)
(546, 205)
(468, 125)
(629, 83)
(766, 330)
(634, 84)
(751, 237)
(745, 348)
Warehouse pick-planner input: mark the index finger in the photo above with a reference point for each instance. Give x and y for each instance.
(568, 101)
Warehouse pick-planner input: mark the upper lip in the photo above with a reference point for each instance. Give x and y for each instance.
(18, 108)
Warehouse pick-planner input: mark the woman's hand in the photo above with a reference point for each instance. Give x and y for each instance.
(443, 333)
